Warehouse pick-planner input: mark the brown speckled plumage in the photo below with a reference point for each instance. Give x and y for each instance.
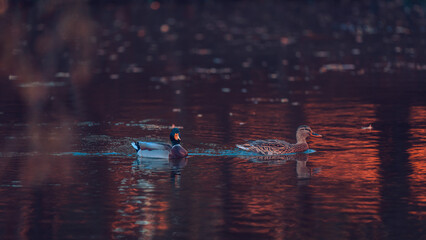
(277, 147)
(274, 147)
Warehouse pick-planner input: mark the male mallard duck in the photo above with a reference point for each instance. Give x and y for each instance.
(162, 150)
(275, 147)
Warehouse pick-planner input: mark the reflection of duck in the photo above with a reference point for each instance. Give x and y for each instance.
(303, 172)
(278, 159)
(162, 150)
(176, 165)
(276, 147)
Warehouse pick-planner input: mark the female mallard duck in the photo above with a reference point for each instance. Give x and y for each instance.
(276, 147)
(162, 150)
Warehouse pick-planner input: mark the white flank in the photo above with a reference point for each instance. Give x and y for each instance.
(241, 147)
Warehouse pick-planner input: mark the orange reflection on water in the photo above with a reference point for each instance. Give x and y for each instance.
(356, 150)
(261, 202)
(417, 153)
(138, 211)
(352, 158)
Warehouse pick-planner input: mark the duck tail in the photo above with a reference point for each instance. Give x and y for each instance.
(136, 146)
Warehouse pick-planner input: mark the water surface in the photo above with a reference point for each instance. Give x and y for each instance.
(80, 82)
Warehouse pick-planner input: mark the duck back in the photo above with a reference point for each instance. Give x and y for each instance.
(273, 147)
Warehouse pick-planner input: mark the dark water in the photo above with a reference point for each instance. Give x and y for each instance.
(79, 82)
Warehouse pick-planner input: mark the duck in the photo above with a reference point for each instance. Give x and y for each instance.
(279, 147)
(162, 150)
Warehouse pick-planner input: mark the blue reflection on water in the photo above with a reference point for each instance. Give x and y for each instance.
(197, 152)
(93, 154)
(234, 152)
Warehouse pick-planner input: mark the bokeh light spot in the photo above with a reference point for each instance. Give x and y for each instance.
(155, 5)
(164, 28)
(3, 6)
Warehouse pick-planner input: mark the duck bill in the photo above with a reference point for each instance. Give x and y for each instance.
(177, 137)
(315, 134)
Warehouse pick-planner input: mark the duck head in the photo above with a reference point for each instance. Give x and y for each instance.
(304, 132)
(175, 136)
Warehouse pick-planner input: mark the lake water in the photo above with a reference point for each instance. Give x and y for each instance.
(80, 82)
